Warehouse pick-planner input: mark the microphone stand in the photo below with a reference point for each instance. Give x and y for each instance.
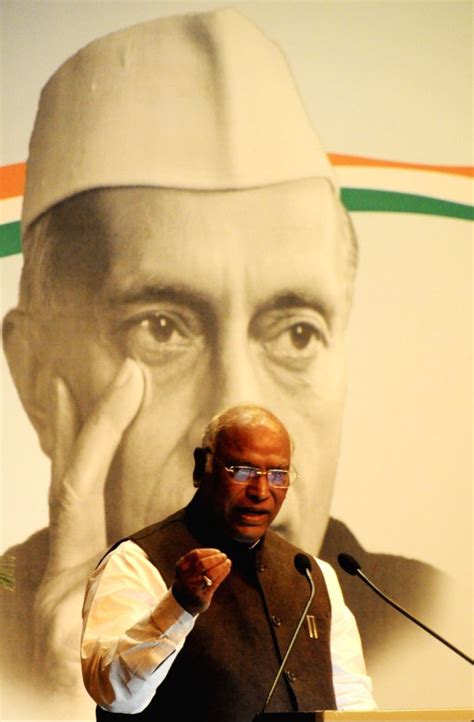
(290, 716)
(403, 611)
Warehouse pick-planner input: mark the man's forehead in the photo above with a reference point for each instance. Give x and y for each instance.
(264, 436)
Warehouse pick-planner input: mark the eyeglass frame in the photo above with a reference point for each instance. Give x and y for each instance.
(292, 474)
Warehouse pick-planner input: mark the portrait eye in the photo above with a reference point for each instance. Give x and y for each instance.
(301, 334)
(158, 338)
(294, 345)
(161, 328)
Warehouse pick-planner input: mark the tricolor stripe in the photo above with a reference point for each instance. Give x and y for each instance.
(12, 180)
(367, 199)
(367, 184)
(356, 160)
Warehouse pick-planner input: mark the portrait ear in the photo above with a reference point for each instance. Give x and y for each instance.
(32, 376)
(200, 464)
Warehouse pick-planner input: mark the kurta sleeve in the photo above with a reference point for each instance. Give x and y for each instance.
(133, 628)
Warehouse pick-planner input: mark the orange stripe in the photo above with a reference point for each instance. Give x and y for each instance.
(12, 177)
(464, 170)
(12, 180)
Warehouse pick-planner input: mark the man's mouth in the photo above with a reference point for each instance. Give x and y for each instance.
(252, 514)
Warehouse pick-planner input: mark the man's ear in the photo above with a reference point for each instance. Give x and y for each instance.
(200, 464)
(32, 376)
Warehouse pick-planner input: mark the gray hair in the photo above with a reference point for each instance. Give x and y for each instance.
(244, 414)
(52, 263)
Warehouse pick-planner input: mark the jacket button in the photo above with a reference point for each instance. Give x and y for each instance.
(291, 676)
(276, 620)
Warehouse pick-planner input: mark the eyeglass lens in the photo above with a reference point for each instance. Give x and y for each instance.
(275, 477)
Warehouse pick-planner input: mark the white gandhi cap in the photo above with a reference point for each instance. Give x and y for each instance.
(203, 101)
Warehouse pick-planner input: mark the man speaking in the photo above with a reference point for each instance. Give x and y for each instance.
(190, 618)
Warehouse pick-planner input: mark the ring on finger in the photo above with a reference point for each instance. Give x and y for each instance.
(206, 581)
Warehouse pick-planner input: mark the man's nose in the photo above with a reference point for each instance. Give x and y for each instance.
(258, 488)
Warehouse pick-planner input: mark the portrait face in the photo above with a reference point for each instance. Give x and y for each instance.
(246, 510)
(222, 297)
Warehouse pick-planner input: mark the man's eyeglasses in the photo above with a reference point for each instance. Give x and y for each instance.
(279, 478)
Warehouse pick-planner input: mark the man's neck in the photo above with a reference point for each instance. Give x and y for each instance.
(205, 527)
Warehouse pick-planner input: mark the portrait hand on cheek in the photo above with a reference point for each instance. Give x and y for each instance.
(81, 454)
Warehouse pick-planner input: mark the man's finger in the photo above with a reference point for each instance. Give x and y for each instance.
(202, 552)
(194, 579)
(192, 591)
(198, 560)
(205, 566)
(213, 577)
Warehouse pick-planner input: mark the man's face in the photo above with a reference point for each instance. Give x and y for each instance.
(245, 511)
(222, 298)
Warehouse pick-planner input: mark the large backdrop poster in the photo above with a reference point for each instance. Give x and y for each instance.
(388, 87)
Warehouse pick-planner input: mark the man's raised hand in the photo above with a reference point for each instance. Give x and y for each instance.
(198, 575)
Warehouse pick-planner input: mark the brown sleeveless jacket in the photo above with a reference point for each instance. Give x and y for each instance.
(227, 665)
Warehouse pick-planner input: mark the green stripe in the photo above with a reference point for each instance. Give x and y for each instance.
(10, 239)
(365, 199)
(355, 199)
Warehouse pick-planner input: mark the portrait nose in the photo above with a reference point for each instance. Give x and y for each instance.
(234, 376)
(237, 375)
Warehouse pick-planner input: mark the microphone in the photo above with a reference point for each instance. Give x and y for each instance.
(348, 563)
(303, 566)
(352, 566)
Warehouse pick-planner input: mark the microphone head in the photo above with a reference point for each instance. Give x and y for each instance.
(348, 563)
(302, 563)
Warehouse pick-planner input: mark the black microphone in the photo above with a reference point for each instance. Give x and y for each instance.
(352, 566)
(303, 566)
(302, 563)
(348, 563)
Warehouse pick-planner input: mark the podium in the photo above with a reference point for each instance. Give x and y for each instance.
(388, 715)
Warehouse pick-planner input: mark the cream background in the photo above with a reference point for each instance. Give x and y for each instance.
(382, 79)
